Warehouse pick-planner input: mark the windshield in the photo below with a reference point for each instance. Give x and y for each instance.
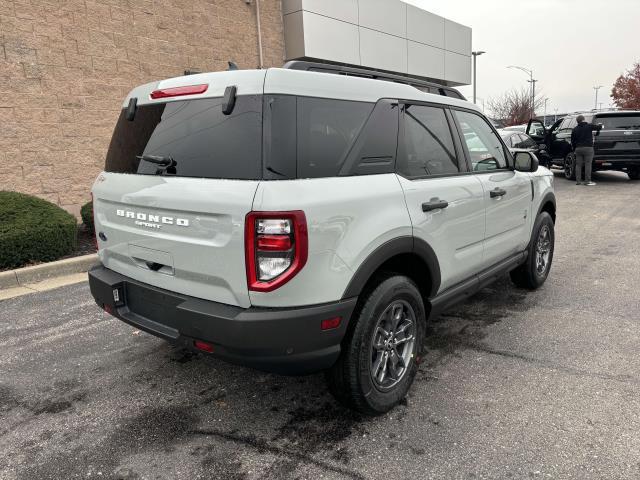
(195, 135)
(620, 122)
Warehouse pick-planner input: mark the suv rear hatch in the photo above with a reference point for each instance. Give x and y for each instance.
(619, 137)
(180, 177)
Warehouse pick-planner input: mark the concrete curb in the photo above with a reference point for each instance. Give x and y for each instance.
(37, 273)
(8, 279)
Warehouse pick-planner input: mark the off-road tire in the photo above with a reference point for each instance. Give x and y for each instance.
(528, 275)
(350, 379)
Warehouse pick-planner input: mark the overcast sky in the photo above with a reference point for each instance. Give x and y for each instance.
(571, 45)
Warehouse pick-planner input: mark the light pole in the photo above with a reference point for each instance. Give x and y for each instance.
(531, 81)
(533, 97)
(555, 116)
(544, 121)
(596, 88)
(475, 57)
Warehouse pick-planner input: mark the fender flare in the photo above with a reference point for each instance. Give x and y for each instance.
(388, 250)
(548, 197)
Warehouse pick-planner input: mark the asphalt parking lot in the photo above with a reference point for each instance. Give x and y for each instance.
(515, 384)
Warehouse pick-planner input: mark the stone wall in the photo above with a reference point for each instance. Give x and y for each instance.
(66, 65)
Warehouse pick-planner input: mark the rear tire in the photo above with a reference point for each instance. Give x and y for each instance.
(634, 173)
(534, 272)
(570, 166)
(390, 321)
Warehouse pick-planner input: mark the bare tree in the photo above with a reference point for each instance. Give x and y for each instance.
(514, 106)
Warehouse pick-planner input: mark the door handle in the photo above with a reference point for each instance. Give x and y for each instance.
(434, 204)
(497, 192)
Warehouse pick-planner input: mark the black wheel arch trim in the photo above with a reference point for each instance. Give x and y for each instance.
(548, 197)
(388, 250)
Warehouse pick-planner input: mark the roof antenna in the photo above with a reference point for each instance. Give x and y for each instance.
(232, 65)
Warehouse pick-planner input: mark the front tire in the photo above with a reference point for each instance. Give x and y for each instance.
(380, 352)
(534, 272)
(570, 166)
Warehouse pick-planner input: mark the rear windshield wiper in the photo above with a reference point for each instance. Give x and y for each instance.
(158, 160)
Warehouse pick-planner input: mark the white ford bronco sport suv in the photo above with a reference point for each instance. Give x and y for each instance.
(298, 221)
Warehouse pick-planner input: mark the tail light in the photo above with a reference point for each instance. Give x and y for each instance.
(204, 346)
(276, 248)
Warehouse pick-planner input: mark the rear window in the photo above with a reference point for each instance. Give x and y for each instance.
(202, 141)
(619, 122)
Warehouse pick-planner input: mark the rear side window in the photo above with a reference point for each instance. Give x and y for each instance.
(326, 130)
(427, 143)
(202, 141)
(312, 137)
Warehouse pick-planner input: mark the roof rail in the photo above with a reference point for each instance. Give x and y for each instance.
(363, 72)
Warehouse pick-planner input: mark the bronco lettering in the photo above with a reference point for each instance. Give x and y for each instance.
(148, 220)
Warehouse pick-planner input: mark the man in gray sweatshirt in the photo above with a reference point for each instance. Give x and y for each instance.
(582, 143)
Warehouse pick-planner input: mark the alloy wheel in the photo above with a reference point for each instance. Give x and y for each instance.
(569, 166)
(543, 250)
(393, 345)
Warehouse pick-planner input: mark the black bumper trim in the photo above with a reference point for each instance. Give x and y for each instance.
(283, 340)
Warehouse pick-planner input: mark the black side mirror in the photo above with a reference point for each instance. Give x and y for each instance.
(526, 162)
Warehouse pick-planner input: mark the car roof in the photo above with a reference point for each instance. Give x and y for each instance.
(292, 82)
(622, 113)
(591, 113)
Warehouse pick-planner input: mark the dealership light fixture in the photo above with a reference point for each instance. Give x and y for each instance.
(475, 54)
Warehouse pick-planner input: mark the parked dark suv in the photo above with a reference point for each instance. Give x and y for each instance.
(617, 145)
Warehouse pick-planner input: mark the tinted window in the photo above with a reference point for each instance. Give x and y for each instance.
(527, 141)
(451, 93)
(516, 141)
(485, 149)
(375, 149)
(201, 140)
(619, 122)
(326, 131)
(428, 147)
(279, 137)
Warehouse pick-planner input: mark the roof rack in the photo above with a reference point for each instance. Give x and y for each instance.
(425, 86)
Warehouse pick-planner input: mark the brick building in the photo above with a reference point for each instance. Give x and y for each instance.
(66, 65)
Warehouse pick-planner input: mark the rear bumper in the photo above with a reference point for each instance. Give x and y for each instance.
(287, 341)
(615, 162)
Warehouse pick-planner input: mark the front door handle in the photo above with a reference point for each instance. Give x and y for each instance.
(434, 204)
(497, 192)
